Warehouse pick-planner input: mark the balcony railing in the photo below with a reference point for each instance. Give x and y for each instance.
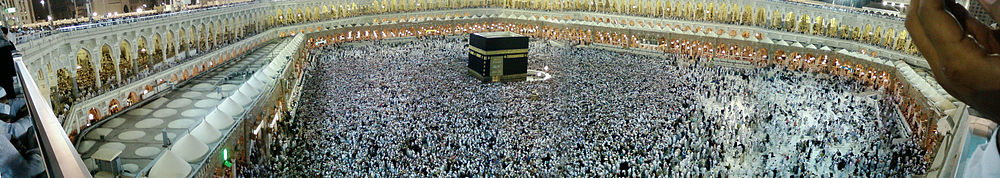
(59, 156)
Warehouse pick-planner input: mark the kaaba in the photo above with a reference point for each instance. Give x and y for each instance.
(498, 56)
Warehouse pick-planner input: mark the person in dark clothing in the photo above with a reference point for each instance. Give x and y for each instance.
(7, 71)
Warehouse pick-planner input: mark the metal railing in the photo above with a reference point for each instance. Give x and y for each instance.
(59, 156)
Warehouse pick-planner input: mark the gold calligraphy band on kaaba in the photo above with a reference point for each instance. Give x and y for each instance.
(498, 52)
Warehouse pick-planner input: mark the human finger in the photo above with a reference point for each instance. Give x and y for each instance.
(915, 24)
(983, 35)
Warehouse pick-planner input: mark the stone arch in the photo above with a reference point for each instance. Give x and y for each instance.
(316, 13)
(125, 67)
(133, 98)
(64, 85)
(114, 106)
(171, 49)
(307, 14)
(157, 49)
(289, 16)
(205, 41)
(85, 79)
(210, 39)
(93, 115)
(218, 32)
(762, 53)
(182, 45)
(279, 15)
(142, 60)
(195, 41)
(299, 15)
(108, 71)
(228, 29)
(876, 37)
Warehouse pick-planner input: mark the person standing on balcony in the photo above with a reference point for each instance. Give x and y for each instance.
(7, 71)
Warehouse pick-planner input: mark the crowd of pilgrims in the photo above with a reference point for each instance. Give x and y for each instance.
(409, 108)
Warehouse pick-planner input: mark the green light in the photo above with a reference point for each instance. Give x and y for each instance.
(225, 158)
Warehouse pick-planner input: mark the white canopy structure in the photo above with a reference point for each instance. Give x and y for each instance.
(169, 166)
(767, 40)
(219, 119)
(240, 99)
(231, 107)
(248, 90)
(255, 82)
(783, 43)
(205, 133)
(189, 149)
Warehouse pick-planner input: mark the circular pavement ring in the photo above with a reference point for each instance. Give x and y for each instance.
(193, 113)
(131, 135)
(179, 103)
(113, 145)
(229, 87)
(204, 86)
(130, 167)
(192, 94)
(212, 95)
(147, 152)
(86, 145)
(181, 124)
(205, 103)
(148, 123)
(140, 112)
(161, 113)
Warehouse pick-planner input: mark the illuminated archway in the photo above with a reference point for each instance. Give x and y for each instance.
(218, 33)
(64, 85)
(279, 15)
(299, 17)
(206, 38)
(108, 71)
(183, 42)
(195, 41)
(228, 30)
(93, 115)
(289, 16)
(157, 50)
(171, 49)
(125, 66)
(114, 106)
(142, 61)
(85, 79)
(133, 98)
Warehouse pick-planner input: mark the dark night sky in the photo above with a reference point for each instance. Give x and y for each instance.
(61, 9)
